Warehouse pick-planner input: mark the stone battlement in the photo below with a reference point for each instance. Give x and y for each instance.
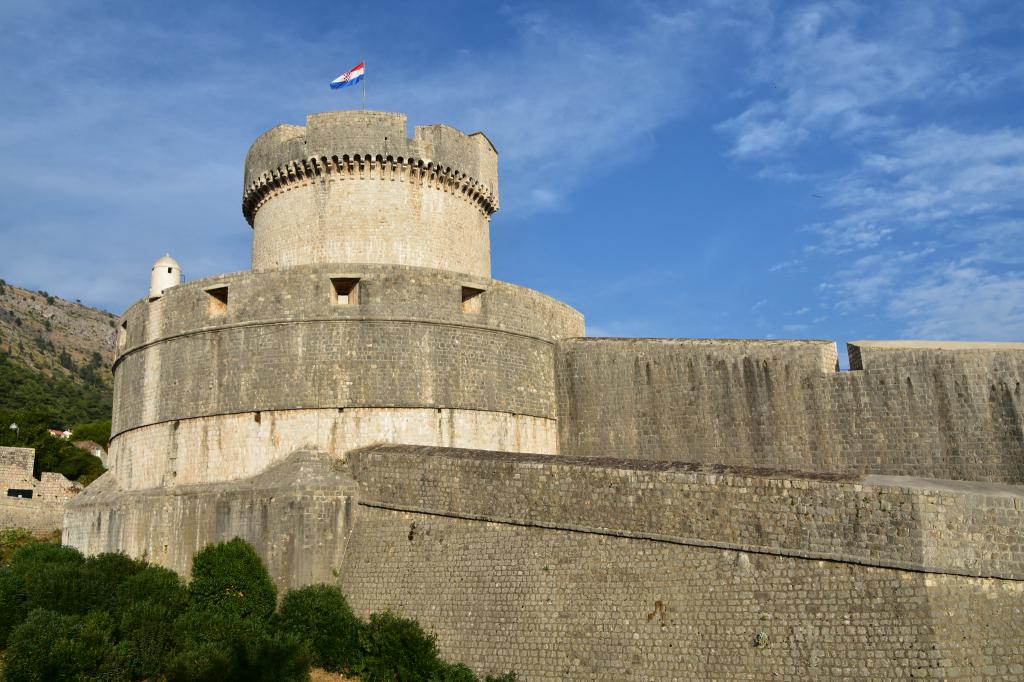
(321, 193)
(334, 136)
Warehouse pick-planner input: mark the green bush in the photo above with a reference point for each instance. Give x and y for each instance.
(320, 616)
(144, 606)
(153, 584)
(42, 575)
(220, 646)
(147, 645)
(53, 646)
(454, 672)
(97, 432)
(13, 609)
(57, 587)
(100, 578)
(230, 577)
(112, 618)
(30, 558)
(397, 649)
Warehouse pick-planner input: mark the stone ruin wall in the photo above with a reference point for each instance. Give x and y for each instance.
(564, 568)
(44, 511)
(939, 410)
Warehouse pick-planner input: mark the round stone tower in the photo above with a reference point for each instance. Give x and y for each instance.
(351, 187)
(166, 273)
(369, 315)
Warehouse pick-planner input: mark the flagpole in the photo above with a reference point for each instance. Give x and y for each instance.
(364, 85)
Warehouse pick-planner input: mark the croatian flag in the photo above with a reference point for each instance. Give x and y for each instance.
(349, 77)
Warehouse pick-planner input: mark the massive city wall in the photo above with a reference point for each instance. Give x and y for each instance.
(611, 569)
(940, 410)
(581, 567)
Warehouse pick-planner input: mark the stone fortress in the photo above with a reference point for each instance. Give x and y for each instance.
(369, 408)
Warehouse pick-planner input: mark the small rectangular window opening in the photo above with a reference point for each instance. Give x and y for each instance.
(471, 299)
(344, 290)
(19, 492)
(218, 301)
(170, 270)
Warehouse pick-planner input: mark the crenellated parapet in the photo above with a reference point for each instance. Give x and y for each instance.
(351, 186)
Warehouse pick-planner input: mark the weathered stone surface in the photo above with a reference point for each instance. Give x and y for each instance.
(298, 515)
(35, 504)
(934, 410)
(698, 509)
(933, 526)
(556, 605)
(321, 194)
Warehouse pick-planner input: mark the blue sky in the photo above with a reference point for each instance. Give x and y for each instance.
(707, 169)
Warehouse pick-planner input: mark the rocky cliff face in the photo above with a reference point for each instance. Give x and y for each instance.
(55, 345)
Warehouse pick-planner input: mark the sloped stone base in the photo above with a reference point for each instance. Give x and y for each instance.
(298, 515)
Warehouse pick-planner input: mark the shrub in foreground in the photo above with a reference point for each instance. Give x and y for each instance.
(112, 618)
(230, 577)
(54, 646)
(144, 606)
(229, 649)
(396, 648)
(24, 582)
(320, 616)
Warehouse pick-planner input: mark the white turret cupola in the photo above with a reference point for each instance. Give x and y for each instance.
(166, 274)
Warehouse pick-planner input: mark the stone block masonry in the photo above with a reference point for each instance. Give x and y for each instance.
(597, 569)
(950, 411)
(298, 515)
(320, 194)
(932, 526)
(691, 508)
(203, 397)
(35, 504)
(561, 605)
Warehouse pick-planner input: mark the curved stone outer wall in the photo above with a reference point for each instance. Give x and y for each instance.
(351, 187)
(206, 394)
(952, 411)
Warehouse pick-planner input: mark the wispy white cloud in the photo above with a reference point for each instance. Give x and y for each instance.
(826, 72)
(594, 97)
(134, 129)
(958, 301)
(923, 208)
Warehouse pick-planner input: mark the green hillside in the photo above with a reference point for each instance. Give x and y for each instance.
(69, 401)
(55, 358)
